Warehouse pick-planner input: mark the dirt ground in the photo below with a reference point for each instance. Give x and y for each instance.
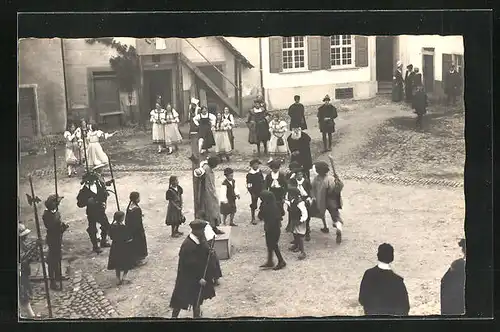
(422, 232)
(373, 137)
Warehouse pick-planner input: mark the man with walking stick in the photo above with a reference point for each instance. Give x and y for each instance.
(195, 272)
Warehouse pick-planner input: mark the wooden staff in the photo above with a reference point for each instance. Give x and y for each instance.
(57, 209)
(114, 185)
(84, 133)
(212, 244)
(34, 200)
(335, 175)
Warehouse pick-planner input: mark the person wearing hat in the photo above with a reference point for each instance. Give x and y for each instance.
(255, 185)
(258, 127)
(229, 193)
(276, 183)
(397, 83)
(297, 116)
(409, 83)
(452, 84)
(327, 113)
(194, 254)
(301, 182)
(383, 292)
(298, 215)
(95, 154)
(55, 229)
(453, 286)
(207, 198)
(326, 194)
(299, 144)
(28, 252)
(93, 195)
(158, 120)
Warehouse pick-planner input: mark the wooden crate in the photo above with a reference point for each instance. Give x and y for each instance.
(223, 244)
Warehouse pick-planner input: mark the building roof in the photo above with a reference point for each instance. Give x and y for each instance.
(235, 52)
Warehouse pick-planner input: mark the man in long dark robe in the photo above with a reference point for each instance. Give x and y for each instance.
(409, 83)
(452, 85)
(193, 257)
(207, 199)
(453, 286)
(297, 115)
(299, 144)
(383, 292)
(397, 83)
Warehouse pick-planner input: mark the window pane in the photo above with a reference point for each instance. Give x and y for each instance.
(335, 56)
(346, 39)
(346, 56)
(298, 41)
(287, 42)
(335, 40)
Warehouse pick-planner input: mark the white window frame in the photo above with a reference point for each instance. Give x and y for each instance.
(293, 48)
(353, 52)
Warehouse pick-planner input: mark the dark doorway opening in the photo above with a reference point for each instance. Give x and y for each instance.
(158, 83)
(428, 72)
(28, 115)
(385, 58)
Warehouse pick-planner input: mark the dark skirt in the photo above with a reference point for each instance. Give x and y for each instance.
(121, 256)
(272, 238)
(139, 246)
(205, 132)
(327, 126)
(262, 131)
(174, 216)
(227, 208)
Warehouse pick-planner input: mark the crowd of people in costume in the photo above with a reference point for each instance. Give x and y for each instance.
(303, 190)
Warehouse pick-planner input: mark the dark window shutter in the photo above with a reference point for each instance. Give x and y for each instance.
(326, 52)
(314, 52)
(447, 61)
(361, 46)
(275, 54)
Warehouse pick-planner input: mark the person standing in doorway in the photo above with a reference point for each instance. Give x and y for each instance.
(327, 113)
(397, 83)
(383, 292)
(409, 83)
(452, 85)
(297, 114)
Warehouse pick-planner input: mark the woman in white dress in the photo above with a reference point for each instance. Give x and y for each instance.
(173, 136)
(157, 118)
(221, 135)
(71, 149)
(277, 145)
(95, 154)
(81, 133)
(228, 116)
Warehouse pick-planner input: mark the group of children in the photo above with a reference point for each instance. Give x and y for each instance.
(79, 152)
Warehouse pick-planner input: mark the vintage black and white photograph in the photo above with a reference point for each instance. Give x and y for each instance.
(223, 176)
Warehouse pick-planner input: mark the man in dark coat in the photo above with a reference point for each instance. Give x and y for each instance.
(452, 85)
(453, 286)
(297, 115)
(397, 83)
(409, 83)
(193, 257)
(327, 113)
(55, 229)
(383, 292)
(299, 144)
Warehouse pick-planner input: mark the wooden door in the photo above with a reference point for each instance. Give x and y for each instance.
(28, 117)
(428, 72)
(384, 59)
(158, 83)
(106, 94)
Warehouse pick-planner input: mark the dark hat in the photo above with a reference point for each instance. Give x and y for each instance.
(228, 171)
(327, 97)
(295, 167)
(296, 97)
(409, 66)
(197, 224)
(461, 243)
(274, 164)
(52, 201)
(385, 253)
(322, 167)
(255, 161)
(213, 161)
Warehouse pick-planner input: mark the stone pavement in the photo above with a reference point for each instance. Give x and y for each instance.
(81, 298)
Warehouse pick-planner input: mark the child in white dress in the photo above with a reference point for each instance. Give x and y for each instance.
(157, 118)
(95, 154)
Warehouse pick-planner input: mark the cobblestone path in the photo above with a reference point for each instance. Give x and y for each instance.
(81, 298)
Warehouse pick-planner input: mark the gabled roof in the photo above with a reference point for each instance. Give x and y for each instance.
(235, 52)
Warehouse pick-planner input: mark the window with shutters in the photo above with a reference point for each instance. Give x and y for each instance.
(294, 53)
(342, 51)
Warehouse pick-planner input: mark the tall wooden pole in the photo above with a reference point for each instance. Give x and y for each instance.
(57, 208)
(114, 184)
(240, 93)
(33, 200)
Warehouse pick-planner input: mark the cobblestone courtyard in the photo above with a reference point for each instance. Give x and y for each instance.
(388, 197)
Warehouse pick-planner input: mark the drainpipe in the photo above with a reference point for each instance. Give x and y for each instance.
(64, 79)
(260, 70)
